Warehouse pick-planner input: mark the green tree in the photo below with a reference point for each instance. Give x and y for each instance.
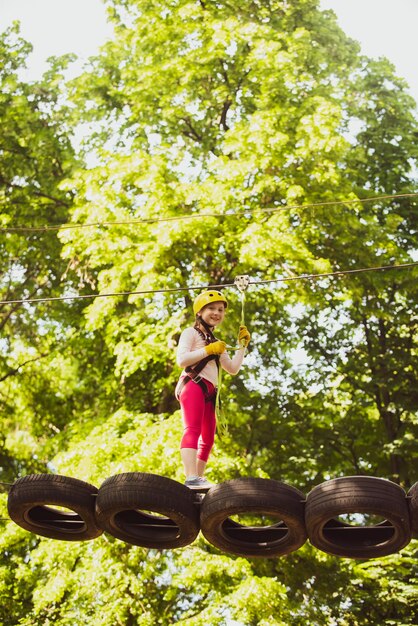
(266, 115)
(43, 383)
(47, 366)
(36, 156)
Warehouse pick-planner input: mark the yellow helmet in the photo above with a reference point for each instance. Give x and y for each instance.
(206, 297)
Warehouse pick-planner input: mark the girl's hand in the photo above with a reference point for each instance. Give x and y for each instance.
(217, 347)
(243, 336)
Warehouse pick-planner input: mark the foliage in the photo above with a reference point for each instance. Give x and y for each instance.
(226, 138)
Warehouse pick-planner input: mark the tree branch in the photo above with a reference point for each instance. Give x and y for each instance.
(15, 370)
(225, 109)
(192, 134)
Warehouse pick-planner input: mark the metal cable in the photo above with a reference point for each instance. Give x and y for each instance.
(156, 220)
(199, 287)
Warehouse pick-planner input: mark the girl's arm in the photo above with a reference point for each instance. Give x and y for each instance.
(188, 350)
(232, 366)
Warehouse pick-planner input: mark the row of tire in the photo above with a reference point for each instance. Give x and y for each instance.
(156, 512)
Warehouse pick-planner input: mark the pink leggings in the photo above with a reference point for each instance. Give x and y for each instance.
(199, 419)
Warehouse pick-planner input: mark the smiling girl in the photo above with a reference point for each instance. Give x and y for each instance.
(201, 354)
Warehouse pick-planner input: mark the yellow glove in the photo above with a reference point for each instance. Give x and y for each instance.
(243, 336)
(217, 347)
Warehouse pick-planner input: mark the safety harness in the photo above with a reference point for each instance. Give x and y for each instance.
(193, 372)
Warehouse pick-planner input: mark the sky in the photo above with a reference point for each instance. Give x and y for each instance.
(383, 28)
(55, 27)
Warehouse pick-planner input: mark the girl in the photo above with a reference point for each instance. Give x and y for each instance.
(201, 354)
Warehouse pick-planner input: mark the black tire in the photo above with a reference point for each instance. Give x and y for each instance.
(362, 495)
(30, 497)
(126, 504)
(413, 508)
(254, 496)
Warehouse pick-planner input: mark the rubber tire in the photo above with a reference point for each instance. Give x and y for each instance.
(28, 505)
(123, 498)
(254, 495)
(364, 495)
(413, 508)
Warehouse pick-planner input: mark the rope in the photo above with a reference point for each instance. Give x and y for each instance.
(157, 220)
(54, 521)
(242, 308)
(222, 422)
(194, 287)
(242, 283)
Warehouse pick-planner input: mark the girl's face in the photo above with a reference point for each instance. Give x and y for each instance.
(213, 313)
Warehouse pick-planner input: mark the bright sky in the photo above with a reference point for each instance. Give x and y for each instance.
(383, 28)
(54, 27)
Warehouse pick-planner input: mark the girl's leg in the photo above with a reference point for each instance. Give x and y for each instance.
(188, 456)
(192, 403)
(200, 467)
(207, 437)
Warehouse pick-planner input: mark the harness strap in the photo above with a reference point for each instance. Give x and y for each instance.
(209, 396)
(193, 372)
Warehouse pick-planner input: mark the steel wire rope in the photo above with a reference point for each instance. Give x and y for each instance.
(156, 220)
(199, 287)
(61, 521)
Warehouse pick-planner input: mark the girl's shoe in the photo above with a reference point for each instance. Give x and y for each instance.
(197, 482)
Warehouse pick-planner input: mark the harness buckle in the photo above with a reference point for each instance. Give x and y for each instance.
(197, 379)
